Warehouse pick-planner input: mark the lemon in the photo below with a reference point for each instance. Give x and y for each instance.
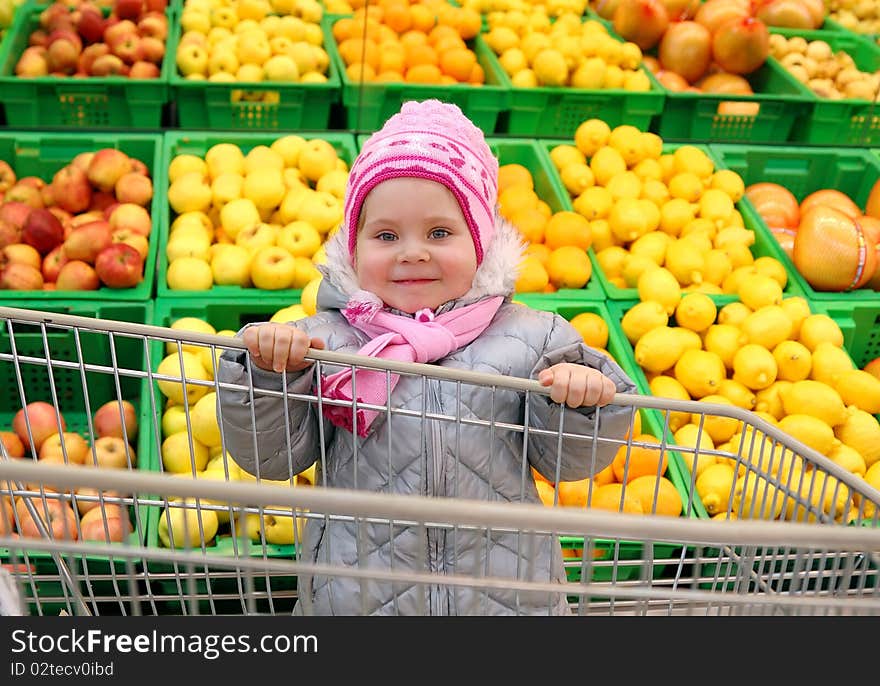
(675, 214)
(600, 230)
(658, 349)
(694, 444)
(634, 267)
(824, 493)
(829, 360)
(607, 163)
(656, 192)
(809, 430)
(641, 318)
(758, 452)
(714, 487)
(664, 386)
(652, 245)
(564, 155)
(872, 477)
(754, 366)
(652, 145)
(624, 185)
(768, 326)
(719, 428)
(770, 266)
(858, 387)
(661, 286)
(759, 291)
(695, 311)
(797, 309)
(729, 182)
(691, 159)
(612, 260)
(700, 372)
(686, 185)
(193, 370)
(699, 240)
(649, 170)
(550, 67)
(716, 267)
(690, 340)
(524, 78)
(735, 236)
(769, 400)
(591, 135)
(733, 313)
(737, 275)
(793, 361)
(848, 458)
(861, 431)
(716, 206)
(594, 203)
(738, 394)
(627, 140)
(577, 178)
(724, 340)
(820, 327)
(532, 277)
(684, 262)
(756, 498)
(592, 329)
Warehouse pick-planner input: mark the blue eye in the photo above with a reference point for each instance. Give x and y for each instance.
(386, 236)
(440, 233)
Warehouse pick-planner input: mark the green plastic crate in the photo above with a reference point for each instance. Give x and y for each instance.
(43, 154)
(615, 559)
(367, 106)
(78, 395)
(764, 245)
(95, 102)
(252, 106)
(846, 121)
(557, 112)
(169, 582)
(198, 143)
(860, 322)
(804, 170)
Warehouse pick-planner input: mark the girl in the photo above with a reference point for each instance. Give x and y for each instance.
(423, 270)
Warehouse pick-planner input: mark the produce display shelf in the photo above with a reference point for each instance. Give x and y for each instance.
(368, 105)
(860, 322)
(43, 154)
(117, 102)
(78, 393)
(252, 106)
(846, 121)
(198, 143)
(804, 170)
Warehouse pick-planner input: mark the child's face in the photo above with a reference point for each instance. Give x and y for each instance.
(414, 248)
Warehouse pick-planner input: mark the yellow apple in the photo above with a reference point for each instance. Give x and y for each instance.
(291, 26)
(189, 274)
(316, 158)
(192, 59)
(249, 72)
(238, 214)
(224, 158)
(277, 529)
(223, 462)
(311, 11)
(313, 77)
(183, 525)
(173, 420)
(218, 33)
(246, 25)
(293, 178)
(190, 193)
(273, 268)
(203, 420)
(320, 256)
(176, 455)
(222, 61)
(262, 157)
(333, 182)
(195, 324)
(322, 59)
(192, 227)
(231, 265)
(305, 272)
(226, 188)
(265, 187)
(303, 56)
(314, 34)
(289, 210)
(289, 314)
(188, 245)
(253, 46)
(288, 147)
(184, 164)
(299, 238)
(222, 77)
(192, 371)
(309, 296)
(216, 475)
(256, 236)
(322, 210)
(198, 218)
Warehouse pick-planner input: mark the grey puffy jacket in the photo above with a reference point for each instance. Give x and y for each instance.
(429, 457)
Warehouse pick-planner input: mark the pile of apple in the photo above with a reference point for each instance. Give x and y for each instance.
(244, 41)
(856, 15)
(7, 14)
(192, 447)
(87, 228)
(78, 40)
(253, 218)
(39, 433)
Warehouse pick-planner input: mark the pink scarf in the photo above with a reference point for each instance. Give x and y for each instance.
(422, 338)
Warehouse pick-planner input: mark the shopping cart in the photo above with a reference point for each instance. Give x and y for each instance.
(823, 560)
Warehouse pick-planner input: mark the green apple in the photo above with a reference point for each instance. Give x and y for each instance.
(273, 268)
(299, 238)
(187, 527)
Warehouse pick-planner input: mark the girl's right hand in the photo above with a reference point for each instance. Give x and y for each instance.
(276, 347)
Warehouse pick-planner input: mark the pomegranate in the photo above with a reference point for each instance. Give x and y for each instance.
(832, 198)
(741, 46)
(832, 251)
(686, 49)
(715, 12)
(642, 22)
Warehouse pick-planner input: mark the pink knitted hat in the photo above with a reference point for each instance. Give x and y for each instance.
(435, 141)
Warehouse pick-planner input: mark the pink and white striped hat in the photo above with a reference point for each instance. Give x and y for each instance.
(435, 141)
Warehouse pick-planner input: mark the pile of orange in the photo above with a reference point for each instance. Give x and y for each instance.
(418, 42)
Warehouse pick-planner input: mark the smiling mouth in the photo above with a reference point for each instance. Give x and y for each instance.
(413, 282)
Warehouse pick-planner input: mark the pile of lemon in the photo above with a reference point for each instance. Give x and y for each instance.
(772, 355)
(649, 209)
(535, 51)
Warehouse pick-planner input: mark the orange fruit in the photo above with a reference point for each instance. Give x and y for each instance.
(639, 461)
(530, 222)
(667, 500)
(608, 497)
(398, 17)
(355, 50)
(458, 63)
(514, 175)
(546, 492)
(423, 19)
(441, 32)
(532, 277)
(393, 76)
(574, 493)
(413, 37)
(420, 54)
(569, 267)
(539, 250)
(423, 73)
(568, 228)
(477, 75)
(392, 58)
(360, 72)
(514, 199)
(344, 28)
(592, 328)
(606, 476)
(468, 23)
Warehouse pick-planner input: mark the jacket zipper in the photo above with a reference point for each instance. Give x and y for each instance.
(436, 596)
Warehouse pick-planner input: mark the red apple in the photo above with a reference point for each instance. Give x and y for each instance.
(131, 216)
(21, 277)
(12, 443)
(63, 50)
(38, 38)
(7, 518)
(136, 240)
(9, 234)
(113, 452)
(119, 28)
(155, 5)
(43, 421)
(129, 9)
(55, 14)
(154, 25)
(107, 166)
(32, 181)
(84, 502)
(7, 176)
(107, 522)
(84, 159)
(108, 65)
(89, 22)
(75, 446)
(138, 167)
(86, 218)
(56, 516)
(14, 213)
(132, 187)
(22, 253)
(101, 201)
(86, 241)
(25, 193)
(86, 64)
(42, 230)
(116, 418)
(71, 189)
(120, 266)
(52, 264)
(127, 47)
(143, 70)
(77, 275)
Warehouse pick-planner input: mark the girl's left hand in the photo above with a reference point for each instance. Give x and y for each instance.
(577, 385)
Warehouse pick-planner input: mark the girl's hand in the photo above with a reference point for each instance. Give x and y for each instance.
(577, 385)
(276, 347)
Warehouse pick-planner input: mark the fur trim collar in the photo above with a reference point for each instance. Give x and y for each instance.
(496, 274)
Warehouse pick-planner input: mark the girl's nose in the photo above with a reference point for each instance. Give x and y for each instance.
(413, 251)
